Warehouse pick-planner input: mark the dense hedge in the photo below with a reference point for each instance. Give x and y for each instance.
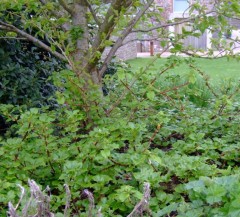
(24, 74)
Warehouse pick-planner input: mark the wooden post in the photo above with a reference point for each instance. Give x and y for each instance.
(151, 48)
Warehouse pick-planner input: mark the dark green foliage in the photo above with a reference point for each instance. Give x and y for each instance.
(3, 126)
(24, 74)
(76, 33)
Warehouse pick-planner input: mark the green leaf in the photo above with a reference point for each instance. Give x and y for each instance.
(123, 196)
(151, 95)
(34, 110)
(192, 78)
(167, 209)
(156, 158)
(215, 194)
(61, 100)
(105, 153)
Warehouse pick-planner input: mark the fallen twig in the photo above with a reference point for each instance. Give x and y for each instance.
(143, 205)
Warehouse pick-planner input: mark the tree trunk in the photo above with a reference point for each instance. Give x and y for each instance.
(81, 56)
(79, 19)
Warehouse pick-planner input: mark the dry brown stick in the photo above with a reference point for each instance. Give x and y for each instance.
(143, 205)
(175, 88)
(91, 202)
(130, 90)
(155, 133)
(13, 210)
(9, 27)
(68, 200)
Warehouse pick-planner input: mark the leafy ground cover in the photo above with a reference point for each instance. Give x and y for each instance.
(157, 130)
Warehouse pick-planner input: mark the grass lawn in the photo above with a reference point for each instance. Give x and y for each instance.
(217, 69)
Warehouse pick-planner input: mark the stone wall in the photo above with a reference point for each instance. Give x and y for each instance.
(235, 23)
(167, 7)
(126, 52)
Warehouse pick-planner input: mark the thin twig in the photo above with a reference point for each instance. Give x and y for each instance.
(9, 27)
(155, 133)
(93, 13)
(172, 23)
(205, 79)
(68, 200)
(11, 210)
(91, 202)
(99, 213)
(14, 38)
(143, 205)
(108, 112)
(175, 88)
(66, 7)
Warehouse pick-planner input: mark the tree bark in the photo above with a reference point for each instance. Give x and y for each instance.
(79, 20)
(104, 33)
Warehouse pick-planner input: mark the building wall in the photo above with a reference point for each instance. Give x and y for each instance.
(235, 22)
(126, 52)
(167, 5)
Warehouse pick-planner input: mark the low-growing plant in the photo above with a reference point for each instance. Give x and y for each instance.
(144, 131)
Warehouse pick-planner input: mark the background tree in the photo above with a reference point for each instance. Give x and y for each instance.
(79, 31)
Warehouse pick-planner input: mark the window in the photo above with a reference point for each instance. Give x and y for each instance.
(180, 5)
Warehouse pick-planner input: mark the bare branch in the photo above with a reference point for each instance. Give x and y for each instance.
(185, 20)
(157, 38)
(14, 38)
(108, 24)
(66, 7)
(206, 79)
(113, 106)
(11, 28)
(68, 200)
(43, 2)
(90, 197)
(164, 25)
(105, 29)
(11, 210)
(142, 206)
(93, 13)
(124, 34)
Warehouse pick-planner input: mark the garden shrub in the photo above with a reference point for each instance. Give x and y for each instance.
(140, 132)
(24, 74)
